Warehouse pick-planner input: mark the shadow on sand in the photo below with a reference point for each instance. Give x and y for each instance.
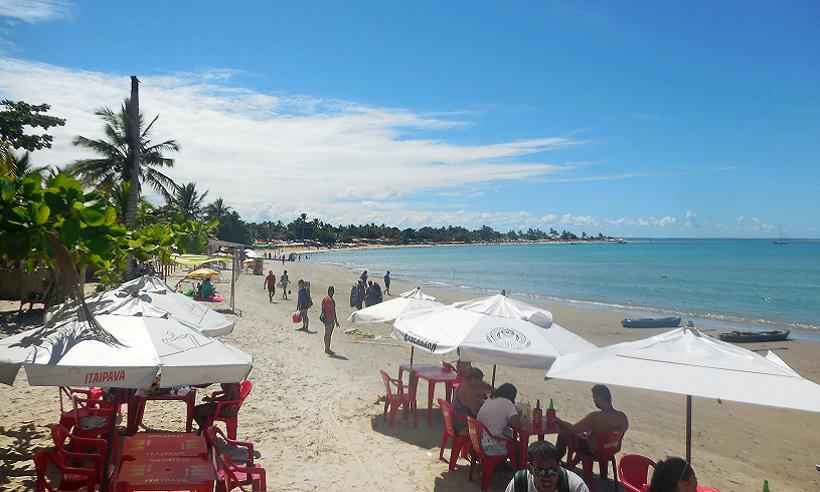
(16, 458)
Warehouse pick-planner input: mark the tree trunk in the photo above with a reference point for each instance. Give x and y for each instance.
(133, 137)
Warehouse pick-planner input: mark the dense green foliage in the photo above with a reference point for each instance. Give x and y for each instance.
(302, 229)
(16, 118)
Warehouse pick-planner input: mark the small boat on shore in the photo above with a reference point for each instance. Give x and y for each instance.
(754, 336)
(666, 322)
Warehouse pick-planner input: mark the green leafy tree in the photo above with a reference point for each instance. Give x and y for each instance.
(111, 167)
(16, 118)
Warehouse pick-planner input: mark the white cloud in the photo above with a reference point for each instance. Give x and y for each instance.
(578, 220)
(34, 10)
(267, 154)
(690, 219)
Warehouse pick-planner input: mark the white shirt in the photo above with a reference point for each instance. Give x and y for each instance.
(495, 414)
(576, 483)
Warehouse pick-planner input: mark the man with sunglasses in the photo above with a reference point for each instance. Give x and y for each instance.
(544, 473)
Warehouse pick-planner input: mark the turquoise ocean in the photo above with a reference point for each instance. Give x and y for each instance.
(723, 283)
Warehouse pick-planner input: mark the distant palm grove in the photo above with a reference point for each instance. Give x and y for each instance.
(302, 229)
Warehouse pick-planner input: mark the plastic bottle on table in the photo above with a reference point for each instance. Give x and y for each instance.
(766, 486)
(536, 414)
(551, 420)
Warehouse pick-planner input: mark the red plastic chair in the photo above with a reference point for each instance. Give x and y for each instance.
(81, 452)
(55, 475)
(216, 440)
(393, 401)
(604, 445)
(488, 462)
(233, 476)
(460, 441)
(93, 418)
(633, 470)
(231, 421)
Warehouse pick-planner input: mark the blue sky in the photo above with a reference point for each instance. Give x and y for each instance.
(646, 119)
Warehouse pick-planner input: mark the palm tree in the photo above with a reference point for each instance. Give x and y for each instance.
(20, 167)
(187, 201)
(217, 210)
(111, 168)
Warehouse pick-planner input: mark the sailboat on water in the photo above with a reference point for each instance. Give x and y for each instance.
(780, 240)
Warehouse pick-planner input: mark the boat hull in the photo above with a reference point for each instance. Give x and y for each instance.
(754, 336)
(667, 322)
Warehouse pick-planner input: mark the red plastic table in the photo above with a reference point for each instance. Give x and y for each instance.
(155, 445)
(183, 473)
(432, 374)
(136, 408)
(523, 433)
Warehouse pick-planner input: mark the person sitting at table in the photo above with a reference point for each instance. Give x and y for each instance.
(673, 475)
(606, 419)
(468, 399)
(544, 472)
(206, 289)
(498, 414)
(203, 411)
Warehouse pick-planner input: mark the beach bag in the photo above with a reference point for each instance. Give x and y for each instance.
(296, 317)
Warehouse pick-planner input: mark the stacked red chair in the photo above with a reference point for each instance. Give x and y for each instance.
(393, 400)
(80, 452)
(459, 442)
(55, 475)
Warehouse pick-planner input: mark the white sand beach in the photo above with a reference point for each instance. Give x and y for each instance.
(316, 420)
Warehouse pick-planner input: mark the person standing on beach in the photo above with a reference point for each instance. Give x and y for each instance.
(303, 304)
(360, 297)
(329, 318)
(387, 283)
(363, 277)
(284, 281)
(270, 284)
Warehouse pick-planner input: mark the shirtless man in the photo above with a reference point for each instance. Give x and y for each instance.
(469, 397)
(606, 419)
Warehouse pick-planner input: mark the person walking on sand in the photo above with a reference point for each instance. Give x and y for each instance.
(303, 304)
(284, 281)
(387, 283)
(270, 284)
(329, 318)
(364, 277)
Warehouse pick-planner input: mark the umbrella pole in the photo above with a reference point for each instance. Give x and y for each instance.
(493, 385)
(412, 351)
(689, 429)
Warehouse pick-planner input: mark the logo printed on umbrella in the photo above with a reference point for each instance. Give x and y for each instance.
(508, 338)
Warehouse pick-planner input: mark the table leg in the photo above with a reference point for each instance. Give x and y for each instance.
(431, 389)
(189, 417)
(413, 383)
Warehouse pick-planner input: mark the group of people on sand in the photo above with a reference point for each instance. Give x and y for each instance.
(497, 411)
(271, 284)
(366, 292)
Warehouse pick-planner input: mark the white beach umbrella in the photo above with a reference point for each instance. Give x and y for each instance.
(685, 361)
(410, 301)
(122, 351)
(151, 297)
(417, 294)
(493, 330)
